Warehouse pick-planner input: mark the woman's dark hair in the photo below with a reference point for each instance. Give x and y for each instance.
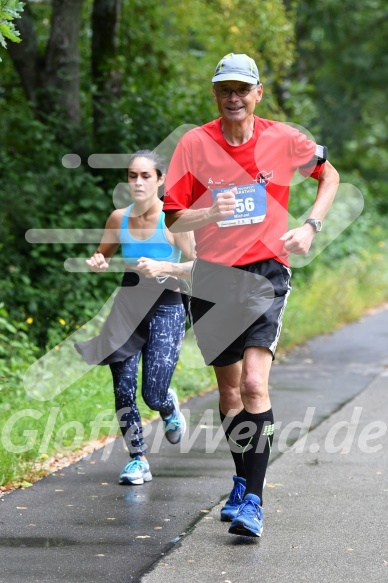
(159, 163)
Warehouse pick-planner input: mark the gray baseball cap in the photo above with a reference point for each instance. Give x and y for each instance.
(236, 68)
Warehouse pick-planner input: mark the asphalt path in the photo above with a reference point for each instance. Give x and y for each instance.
(79, 525)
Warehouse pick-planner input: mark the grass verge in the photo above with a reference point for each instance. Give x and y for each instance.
(333, 297)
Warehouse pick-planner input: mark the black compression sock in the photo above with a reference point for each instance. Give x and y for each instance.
(228, 424)
(250, 439)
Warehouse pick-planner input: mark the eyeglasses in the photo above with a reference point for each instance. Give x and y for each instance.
(226, 92)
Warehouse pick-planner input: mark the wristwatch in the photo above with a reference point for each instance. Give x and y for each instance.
(316, 223)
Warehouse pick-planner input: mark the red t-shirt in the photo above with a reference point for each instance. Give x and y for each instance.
(262, 169)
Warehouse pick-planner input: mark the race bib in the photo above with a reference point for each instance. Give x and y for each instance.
(251, 204)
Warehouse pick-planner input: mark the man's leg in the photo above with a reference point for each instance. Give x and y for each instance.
(257, 413)
(249, 434)
(246, 413)
(229, 379)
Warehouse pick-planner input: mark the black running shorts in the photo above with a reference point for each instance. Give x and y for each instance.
(235, 307)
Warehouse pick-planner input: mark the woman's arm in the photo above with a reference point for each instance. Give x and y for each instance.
(99, 262)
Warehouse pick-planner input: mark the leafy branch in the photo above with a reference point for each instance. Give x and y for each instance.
(9, 10)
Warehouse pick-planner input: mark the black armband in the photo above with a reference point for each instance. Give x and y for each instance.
(319, 157)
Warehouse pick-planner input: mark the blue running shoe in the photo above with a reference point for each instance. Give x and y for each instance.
(174, 424)
(229, 511)
(249, 518)
(135, 472)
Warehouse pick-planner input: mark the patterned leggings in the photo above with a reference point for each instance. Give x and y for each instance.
(160, 355)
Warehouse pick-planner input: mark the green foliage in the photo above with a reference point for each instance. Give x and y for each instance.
(166, 56)
(45, 195)
(9, 10)
(341, 74)
(17, 351)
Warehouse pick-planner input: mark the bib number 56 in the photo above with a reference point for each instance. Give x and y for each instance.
(244, 205)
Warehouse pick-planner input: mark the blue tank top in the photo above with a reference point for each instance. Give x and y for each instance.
(156, 247)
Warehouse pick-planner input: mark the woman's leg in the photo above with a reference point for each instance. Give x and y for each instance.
(125, 384)
(160, 356)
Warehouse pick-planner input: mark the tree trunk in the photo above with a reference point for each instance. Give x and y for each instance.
(106, 78)
(51, 83)
(25, 56)
(63, 59)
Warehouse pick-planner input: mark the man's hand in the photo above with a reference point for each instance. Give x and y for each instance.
(298, 241)
(184, 220)
(223, 205)
(97, 263)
